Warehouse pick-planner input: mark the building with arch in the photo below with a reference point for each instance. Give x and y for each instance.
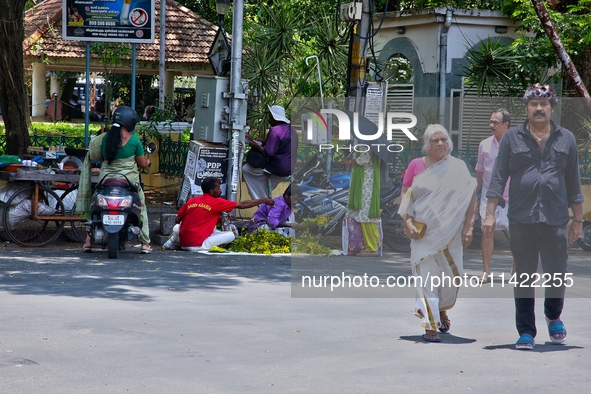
(435, 43)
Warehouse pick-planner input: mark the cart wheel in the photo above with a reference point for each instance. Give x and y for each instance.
(22, 229)
(76, 232)
(3, 236)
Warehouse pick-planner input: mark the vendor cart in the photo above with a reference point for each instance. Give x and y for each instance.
(37, 211)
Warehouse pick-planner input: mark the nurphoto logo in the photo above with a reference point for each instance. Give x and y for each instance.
(317, 120)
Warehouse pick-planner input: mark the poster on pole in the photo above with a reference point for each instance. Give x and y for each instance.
(375, 101)
(115, 20)
(204, 160)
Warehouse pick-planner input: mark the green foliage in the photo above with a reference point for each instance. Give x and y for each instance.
(490, 68)
(278, 39)
(398, 69)
(571, 21)
(58, 128)
(162, 117)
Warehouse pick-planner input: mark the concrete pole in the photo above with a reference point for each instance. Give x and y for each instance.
(169, 84)
(133, 74)
(237, 98)
(38, 90)
(54, 86)
(87, 101)
(161, 88)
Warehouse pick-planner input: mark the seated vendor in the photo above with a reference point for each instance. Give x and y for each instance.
(199, 215)
(278, 217)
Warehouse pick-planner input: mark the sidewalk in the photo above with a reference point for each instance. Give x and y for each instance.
(154, 214)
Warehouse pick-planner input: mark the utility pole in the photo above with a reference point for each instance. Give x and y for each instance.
(358, 56)
(162, 65)
(237, 99)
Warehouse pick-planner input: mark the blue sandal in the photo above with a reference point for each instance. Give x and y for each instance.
(556, 327)
(431, 337)
(445, 325)
(525, 342)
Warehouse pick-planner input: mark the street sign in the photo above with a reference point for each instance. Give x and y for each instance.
(119, 21)
(220, 54)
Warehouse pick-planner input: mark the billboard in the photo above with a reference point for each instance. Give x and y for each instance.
(114, 20)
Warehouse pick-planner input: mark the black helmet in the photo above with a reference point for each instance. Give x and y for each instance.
(126, 117)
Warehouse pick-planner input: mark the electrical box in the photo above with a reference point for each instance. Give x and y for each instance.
(212, 109)
(351, 12)
(314, 130)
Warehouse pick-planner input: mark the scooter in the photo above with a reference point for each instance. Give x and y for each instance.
(330, 195)
(115, 213)
(321, 196)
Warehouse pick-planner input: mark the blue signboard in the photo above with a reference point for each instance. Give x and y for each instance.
(114, 20)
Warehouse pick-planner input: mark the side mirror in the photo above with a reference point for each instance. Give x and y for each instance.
(152, 147)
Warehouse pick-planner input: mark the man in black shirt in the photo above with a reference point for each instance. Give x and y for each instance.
(541, 159)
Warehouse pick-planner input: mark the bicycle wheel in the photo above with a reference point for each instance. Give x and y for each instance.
(22, 229)
(76, 232)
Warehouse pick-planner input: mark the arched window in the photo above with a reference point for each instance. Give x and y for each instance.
(398, 70)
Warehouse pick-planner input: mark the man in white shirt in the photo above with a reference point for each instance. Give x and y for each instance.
(500, 121)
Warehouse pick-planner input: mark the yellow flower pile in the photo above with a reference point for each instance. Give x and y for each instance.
(318, 221)
(307, 243)
(261, 242)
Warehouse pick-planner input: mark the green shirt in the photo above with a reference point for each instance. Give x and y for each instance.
(133, 148)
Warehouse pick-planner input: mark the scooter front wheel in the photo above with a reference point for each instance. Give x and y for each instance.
(112, 245)
(585, 240)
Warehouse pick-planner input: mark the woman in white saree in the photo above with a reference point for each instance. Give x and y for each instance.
(441, 196)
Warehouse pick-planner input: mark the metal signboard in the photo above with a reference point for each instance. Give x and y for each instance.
(114, 20)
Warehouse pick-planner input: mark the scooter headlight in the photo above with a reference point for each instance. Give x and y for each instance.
(114, 202)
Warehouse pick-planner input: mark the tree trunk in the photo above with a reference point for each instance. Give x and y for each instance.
(567, 63)
(13, 93)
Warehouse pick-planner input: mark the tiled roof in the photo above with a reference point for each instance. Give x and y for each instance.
(188, 36)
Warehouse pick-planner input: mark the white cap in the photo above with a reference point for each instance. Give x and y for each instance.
(278, 113)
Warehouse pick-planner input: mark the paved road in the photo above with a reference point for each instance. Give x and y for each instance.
(176, 322)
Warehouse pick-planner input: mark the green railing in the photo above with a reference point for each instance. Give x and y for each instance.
(172, 156)
(56, 140)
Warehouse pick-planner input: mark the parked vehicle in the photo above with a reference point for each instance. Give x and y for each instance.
(330, 195)
(584, 240)
(115, 213)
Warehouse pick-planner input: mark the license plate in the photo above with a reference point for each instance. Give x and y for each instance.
(113, 220)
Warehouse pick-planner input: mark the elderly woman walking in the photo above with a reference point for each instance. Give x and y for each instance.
(438, 208)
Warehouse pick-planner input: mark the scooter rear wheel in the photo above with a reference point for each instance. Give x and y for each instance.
(113, 245)
(585, 240)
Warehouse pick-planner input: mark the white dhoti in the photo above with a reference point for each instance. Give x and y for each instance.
(217, 238)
